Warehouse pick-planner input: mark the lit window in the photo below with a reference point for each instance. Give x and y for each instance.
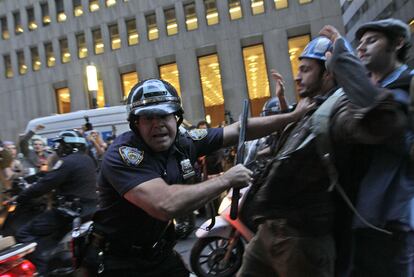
(212, 15)
(8, 66)
(256, 76)
(100, 95)
(281, 4)
(191, 20)
(45, 14)
(63, 100)
(169, 73)
(110, 3)
(171, 21)
(32, 25)
(235, 9)
(128, 80)
(257, 6)
(21, 63)
(304, 1)
(50, 57)
(81, 44)
(93, 5)
(133, 37)
(115, 37)
(4, 30)
(212, 89)
(296, 46)
(77, 8)
(152, 28)
(64, 50)
(60, 11)
(98, 41)
(18, 28)
(36, 63)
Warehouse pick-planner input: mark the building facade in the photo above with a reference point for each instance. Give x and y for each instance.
(357, 12)
(215, 52)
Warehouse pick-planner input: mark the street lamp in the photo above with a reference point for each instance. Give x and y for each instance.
(92, 79)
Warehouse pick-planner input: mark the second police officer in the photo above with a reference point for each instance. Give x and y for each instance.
(141, 182)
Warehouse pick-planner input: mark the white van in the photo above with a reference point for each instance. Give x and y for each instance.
(102, 119)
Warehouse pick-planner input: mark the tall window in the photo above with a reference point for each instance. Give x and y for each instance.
(18, 28)
(4, 29)
(64, 50)
(212, 15)
(171, 21)
(98, 41)
(110, 3)
(63, 100)
(101, 94)
(21, 63)
(81, 44)
(133, 37)
(296, 46)
(169, 73)
(45, 14)
(304, 1)
(60, 11)
(31, 21)
(281, 4)
(212, 90)
(36, 63)
(256, 76)
(191, 20)
(93, 5)
(8, 66)
(77, 7)
(115, 37)
(152, 28)
(235, 9)
(50, 56)
(128, 80)
(257, 6)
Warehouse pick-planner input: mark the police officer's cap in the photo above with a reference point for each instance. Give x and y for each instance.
(390, 25)
(153, 97)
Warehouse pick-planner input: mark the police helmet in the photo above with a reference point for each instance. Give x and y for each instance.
(316, 49)
(153, 97)
(68, 142)
(272, 106)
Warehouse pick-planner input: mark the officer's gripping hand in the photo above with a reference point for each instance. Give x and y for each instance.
(238, 176)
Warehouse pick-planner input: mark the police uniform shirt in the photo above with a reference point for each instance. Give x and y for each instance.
(128, 163)
(73, 176)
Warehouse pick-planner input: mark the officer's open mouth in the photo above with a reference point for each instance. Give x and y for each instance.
(160, 135)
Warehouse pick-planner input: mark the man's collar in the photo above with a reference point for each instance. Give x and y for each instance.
(393, 76)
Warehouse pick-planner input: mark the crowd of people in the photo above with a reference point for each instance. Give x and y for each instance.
(336, 198)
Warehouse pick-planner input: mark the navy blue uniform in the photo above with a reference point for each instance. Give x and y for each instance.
(127, 164)
(73, 176)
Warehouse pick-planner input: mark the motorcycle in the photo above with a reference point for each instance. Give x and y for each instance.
(218, 251)
(12, 262)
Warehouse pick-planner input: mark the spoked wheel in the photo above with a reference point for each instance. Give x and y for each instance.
(207, 257)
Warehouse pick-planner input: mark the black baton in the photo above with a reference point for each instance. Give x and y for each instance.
(240, 157)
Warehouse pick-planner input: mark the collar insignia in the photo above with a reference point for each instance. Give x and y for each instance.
(197, 134)
(131, 156)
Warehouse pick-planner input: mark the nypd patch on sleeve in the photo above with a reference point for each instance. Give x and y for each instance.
(131, 156)
(197, 134)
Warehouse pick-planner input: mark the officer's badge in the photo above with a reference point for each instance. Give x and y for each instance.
(58, 164)
(187, 169)
(197, 134)
(131, 156)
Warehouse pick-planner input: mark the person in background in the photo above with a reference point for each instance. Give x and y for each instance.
(16, 168)
(36, 157)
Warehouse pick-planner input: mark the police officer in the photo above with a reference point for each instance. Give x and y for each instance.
(73, 179)
(141, 182)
